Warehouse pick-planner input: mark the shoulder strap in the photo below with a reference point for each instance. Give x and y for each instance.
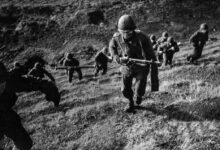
(140, 43)
(119, 43)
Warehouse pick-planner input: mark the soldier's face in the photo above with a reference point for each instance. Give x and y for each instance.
(126, 35)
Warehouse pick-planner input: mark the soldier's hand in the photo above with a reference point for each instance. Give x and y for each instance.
(124, 60)
(117, 59)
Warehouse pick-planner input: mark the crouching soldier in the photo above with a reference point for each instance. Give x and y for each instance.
(10, 122)
(168, 49)
(198, 40)
(130, 43)
(101, 61)
(73, 63)
(39, 72)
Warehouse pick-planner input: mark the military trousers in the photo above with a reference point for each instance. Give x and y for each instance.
(10, 125)
(168, 58)
(71, 71)
(154, 78)
(197, 53)
(101, 66)
(140, 77)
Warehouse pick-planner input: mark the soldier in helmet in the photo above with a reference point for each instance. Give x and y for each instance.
(168, 49)
(10, 122)
(198, 40)
(154, 42)
(163, 38)
(39, 72)
(101, 61)
(69, 61)
(18, 70)
(131, 43)
(160, 42)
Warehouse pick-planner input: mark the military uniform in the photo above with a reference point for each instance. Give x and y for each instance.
(40, 72)
(160, 42)
(198, 40)
(168, 49)
(17, 71)
(138, 47)
(72, 62)
(154, 42)
(10, 122)
(101, 62)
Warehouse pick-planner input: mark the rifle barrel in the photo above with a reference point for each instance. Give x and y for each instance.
(68, 68)
(143, 61)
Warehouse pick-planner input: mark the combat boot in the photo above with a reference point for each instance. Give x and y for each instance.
(138, 100)
(130, 108)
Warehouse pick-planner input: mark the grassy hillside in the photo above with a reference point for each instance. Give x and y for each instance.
(183, 115)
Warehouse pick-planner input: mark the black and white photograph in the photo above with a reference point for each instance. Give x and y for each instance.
(109, 75)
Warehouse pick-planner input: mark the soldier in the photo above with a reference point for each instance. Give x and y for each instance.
(160, 42)
(69, 61)
(39, 72)
(163, 38)
(168, 49)
(10, 123)
(18, 70)
(198, 40)
(154, 42)
(131, 43)
(101, 61)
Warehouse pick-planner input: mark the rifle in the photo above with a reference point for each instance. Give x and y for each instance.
(78, 67)
(141, 61)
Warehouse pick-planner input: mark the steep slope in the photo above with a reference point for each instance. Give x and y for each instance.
(184, 114)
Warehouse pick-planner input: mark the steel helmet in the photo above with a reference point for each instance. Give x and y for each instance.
(37, 65)
(170, 39)
(165, 34)
(153, 37)
(204, 26)
(69, 55)
(126, 23)
(16, 64)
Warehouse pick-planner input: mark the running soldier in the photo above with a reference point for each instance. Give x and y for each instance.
(39, 72)
(198, 40)
(69, 61)
(168, 49)
(10, 122)
(101, 61)
(131, 43)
